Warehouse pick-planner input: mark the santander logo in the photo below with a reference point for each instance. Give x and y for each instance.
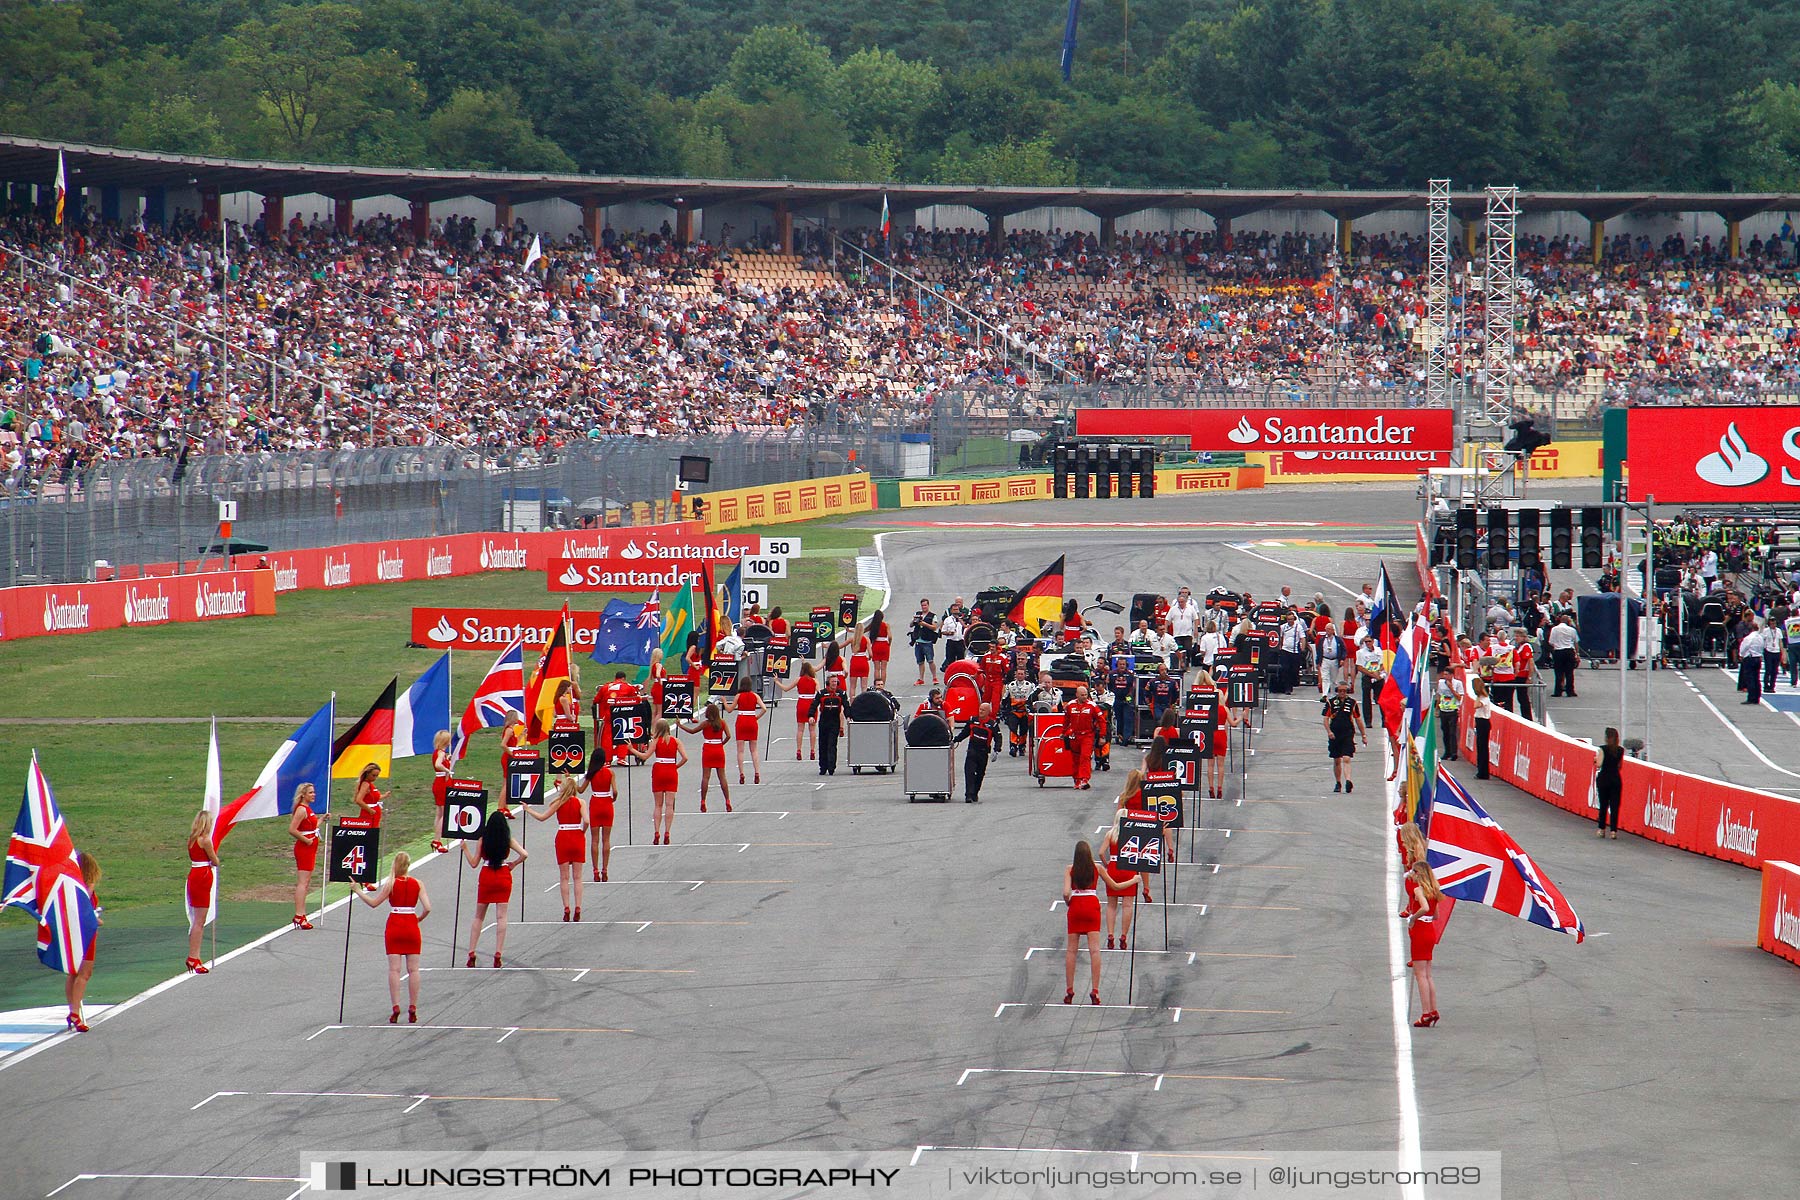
(1786, 929)
(502, 558)
(570, 576)
(1734, 464)
(631, 550)
(146, 609)
(58, 617)
(287, 579)
(443, 631)
(1555, 778)
(1522, 763)
(389, 569)
(337, 574)
(1243, 433)
(437, 565)
(1734, 835)
(1661, 814)
(232, 602)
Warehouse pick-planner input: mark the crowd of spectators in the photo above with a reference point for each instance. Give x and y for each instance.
(145, 341)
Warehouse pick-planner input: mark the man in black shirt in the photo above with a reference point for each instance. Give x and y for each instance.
(1121, 680)
(1343, 721)
(829, 709)
(980, 734)
(924, 635)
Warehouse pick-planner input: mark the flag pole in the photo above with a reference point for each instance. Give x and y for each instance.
(349, 916)
(1137, 887)
(456, 915)
(218, 912)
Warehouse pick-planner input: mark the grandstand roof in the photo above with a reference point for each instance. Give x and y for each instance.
(33, 160)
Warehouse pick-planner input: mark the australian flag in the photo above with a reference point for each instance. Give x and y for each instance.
(43, 878)
(628, 632)
(1475, 860)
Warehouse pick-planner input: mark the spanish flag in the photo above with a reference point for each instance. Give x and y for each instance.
(370, 740)
(547, 678)
(1040, 600)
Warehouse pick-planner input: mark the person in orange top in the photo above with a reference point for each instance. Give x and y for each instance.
(601, 794)
(667, 757)
(806, 728)
(747, 729)
(203, 860)
(571, 847)
(442, 771)
(402, 938)
(303, 827)
(1081, 723)
(713, 735)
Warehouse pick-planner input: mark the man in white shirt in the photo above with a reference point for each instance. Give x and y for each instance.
(1750, 663)
(1212, 643)
(1709, 568)
(1184, 620)
(1563, 654)
(1368, 670)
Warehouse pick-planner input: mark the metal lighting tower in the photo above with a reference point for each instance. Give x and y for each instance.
(1437, 297)
(1501, 287)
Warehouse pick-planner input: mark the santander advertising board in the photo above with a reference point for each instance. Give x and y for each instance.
(1383, 441)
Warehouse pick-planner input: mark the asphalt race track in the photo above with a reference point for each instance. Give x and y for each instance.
(832, 968)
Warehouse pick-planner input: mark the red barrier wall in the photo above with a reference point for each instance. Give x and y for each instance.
(1703, 816)
(1778, 930)
(83, 607)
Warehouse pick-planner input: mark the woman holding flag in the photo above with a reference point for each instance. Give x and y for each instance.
(75, 987)
(443, 770)
(303, 827)
(203, 861)
(402, 939)
(368, 797)
(1423, 900)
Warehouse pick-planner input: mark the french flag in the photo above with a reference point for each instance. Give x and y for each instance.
(305, 757)
(422, 710)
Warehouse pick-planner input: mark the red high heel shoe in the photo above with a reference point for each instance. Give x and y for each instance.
(603, 877)
(578, 914)
(596, 874)
(1432, 1016)
(412, 1014)
(1093, 997)
(496, 960)
(197, 967)
(565, 914)
(703, 804)
(758, 777)
(471, 961)
(394, 1017)
(303, 923)
(740, 779)
(77, 1024)
(1069, 996)
(728, 803)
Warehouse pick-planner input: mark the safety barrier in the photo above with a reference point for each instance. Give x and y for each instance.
(1778, 929)
(1002, 489)
(780, 503)
(1703, 816)
(138, 603)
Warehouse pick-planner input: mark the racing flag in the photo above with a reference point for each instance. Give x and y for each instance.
(551, 672)
(370, 740)
(1040, 600)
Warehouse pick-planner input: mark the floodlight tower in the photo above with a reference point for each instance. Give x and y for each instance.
(1437, 297)
(1500, 281)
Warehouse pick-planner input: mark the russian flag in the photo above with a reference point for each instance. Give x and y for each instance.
(305, 757)
(1398, 691)
(422, 710)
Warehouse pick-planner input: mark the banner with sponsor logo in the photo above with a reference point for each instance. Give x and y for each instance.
(1714, 454)
(494, 629)
(779, 503)
(1326, 441)
(84, 607)
(619, 574)
(933, 493)
(1187, 480)
(1778, 927)
(682, 539)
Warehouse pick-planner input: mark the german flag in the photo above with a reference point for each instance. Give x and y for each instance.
(1040, 600)
(551, 672)
(370, 740)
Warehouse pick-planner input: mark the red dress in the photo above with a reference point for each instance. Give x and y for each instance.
(805, 688)
(94, 941)
(441, 773)
(882, 645)
(306, 853)
(571, 847)
(657, 674)
(1084, 911)
(665, 771)
(778, 627)
(402, 934)
(859, 658)
(712, 749)
(1127, 880)
(1423, 934)
(600, 799)
(493, 885)
(746, 730)
(199, 877)
(373, 812)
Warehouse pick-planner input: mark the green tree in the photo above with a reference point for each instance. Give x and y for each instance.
(778, 60)
(884, 95)
(1768, 157)
(488, 131)
(1010, 163)
(317, 94)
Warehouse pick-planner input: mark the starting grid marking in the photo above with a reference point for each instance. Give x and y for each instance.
(692, 884)
(1175, 1019)
(505, 1031)
(740, 847)
(1127, 950)
(89, 1177)
(417, 1098)
(1158, 1076)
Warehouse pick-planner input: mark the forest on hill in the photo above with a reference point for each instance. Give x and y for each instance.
(1576, 94)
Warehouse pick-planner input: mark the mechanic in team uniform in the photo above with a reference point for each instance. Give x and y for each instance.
(829, 711)
(1081, 727)
(1121, 681)
(981, 732)
(1019, 691)
(1164, 691)
(1343, 721)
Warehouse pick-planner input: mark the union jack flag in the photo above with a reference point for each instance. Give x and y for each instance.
(650, 616)
(500, 697)
(43, 878)
(1475, 860)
